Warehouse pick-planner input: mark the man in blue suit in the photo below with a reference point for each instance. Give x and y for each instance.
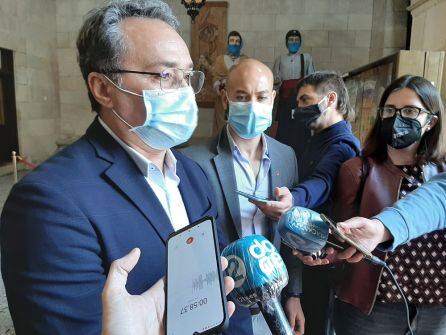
(120, 186)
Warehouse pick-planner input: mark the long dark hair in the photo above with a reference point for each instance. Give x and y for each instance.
(432, 147)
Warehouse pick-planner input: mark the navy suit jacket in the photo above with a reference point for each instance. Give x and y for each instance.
(64, 224)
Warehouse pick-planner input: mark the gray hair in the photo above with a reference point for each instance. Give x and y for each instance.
(101, 44)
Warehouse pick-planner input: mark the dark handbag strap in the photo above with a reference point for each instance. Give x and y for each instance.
(365, 168)
(302, 65)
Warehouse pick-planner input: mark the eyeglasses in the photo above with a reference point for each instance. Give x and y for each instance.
(172, 78)
(409, 112)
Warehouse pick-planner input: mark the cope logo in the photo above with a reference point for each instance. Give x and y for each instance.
(263, 254)
(267, 256)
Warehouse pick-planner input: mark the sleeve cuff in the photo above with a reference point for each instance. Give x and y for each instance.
(294, 287)
(396, 224)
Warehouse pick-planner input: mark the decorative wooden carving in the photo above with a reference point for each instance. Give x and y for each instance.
(209, 33)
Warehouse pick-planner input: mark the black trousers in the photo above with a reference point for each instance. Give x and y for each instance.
(318, 299)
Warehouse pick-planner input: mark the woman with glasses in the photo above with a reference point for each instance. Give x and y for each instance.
(405, 148)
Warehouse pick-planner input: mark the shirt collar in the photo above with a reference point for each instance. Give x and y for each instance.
(146, 166)
(235, 148)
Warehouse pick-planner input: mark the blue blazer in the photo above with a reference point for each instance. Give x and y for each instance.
(64, 224)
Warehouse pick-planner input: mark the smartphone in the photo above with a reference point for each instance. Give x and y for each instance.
(252, 196)
(347, 241)
(196, 298)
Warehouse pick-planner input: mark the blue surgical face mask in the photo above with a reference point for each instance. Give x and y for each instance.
(171, 117)
(293, 47)
(234, 49)
(249, 119)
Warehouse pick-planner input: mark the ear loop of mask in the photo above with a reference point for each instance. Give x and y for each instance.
(227, 97)
(319, 103)
(428, 122)
(125, 91)
(120, 118)
(424, 150)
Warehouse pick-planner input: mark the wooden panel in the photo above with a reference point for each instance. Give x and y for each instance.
(433, 69)
(443, 83)
(367, 84)
(208, 36)
(410, 62)
(365, 87)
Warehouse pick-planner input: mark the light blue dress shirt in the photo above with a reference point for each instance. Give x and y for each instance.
(253, 221)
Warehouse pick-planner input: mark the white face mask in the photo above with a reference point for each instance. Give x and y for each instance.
(171, 117)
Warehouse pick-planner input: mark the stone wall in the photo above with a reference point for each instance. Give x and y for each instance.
(28, 27)
(52, 102)
(389, 27)
(340, 34)
(75, 110)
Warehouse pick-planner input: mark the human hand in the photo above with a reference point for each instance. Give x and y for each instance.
(124, 313)
(143, 314)
(293, 310)
(275, 209)
(331, 256)
(368, 233)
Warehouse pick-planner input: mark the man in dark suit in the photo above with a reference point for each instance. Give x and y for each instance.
(120, 186)
(243, 158)
(323, 107)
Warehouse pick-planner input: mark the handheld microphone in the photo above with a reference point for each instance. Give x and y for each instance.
(260, 275)
(306, 230)
(303, 229)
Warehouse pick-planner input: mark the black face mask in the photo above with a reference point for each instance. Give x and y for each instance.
(399, 133)
(308, 114)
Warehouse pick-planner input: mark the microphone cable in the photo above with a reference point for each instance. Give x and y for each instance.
(372, 259)
(377, 261)
(386, 267)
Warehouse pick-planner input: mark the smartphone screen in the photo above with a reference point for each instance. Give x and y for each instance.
(196, 302)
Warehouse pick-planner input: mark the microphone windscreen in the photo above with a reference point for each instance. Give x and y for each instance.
(303, 229)
(257, 268)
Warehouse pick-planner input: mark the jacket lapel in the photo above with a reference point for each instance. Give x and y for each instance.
(275, 181)
(127, 178)
(225, 170)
